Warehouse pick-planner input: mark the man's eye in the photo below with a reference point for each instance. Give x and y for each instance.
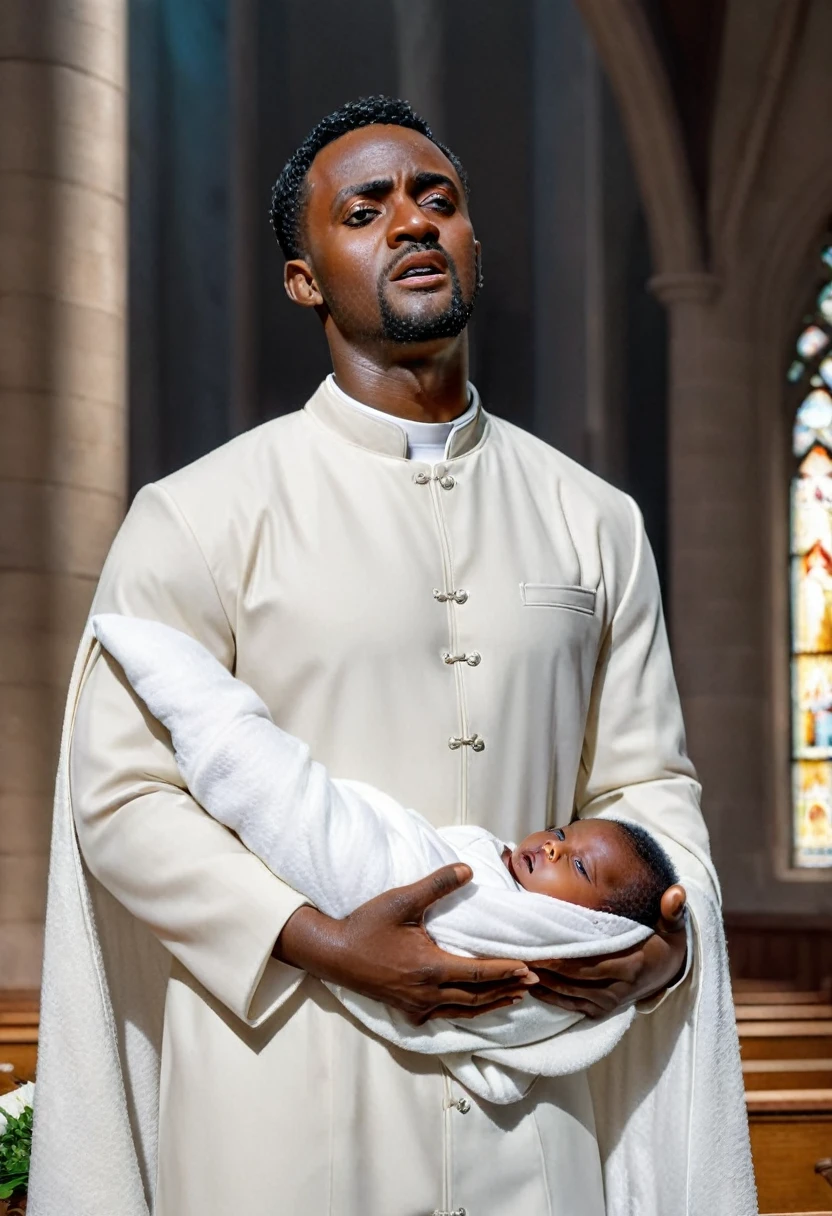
(361, 216)
(560, 834)
(579, 866)
(440, 202)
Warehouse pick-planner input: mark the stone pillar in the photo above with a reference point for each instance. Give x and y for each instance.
(62, 401)
(716, 572)
(420, 51)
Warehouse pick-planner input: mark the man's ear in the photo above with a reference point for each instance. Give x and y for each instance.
(301, 285)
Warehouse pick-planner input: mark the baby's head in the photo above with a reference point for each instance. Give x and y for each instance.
(598, 863)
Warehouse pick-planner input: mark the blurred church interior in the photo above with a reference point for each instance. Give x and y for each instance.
(652, 184)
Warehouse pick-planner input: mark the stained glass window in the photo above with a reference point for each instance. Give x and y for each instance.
(811, 581)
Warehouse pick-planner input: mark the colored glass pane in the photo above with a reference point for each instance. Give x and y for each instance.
(812, 341)
(812, 803)
(812, 602)
(813, 423)
(825, 301)
(812, 692)
(810, 577)
(812, 503)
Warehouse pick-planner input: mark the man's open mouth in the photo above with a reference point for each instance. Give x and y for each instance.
(416, 272)
(420, 266)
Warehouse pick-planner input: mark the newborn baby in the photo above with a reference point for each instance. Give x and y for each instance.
(588, 888)
(604, 864)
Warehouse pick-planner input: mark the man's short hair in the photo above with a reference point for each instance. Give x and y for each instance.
(290, 189)
(640, 898)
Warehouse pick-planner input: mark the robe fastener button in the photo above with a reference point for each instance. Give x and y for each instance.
(463, 1105)
(473, 659)
(459, 597)
(445, 480)
(473, 741)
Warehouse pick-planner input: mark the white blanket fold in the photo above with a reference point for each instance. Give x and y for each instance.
(668, 1100)
(341, 842)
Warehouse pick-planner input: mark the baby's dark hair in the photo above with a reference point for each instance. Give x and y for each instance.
(289, 193)
(640, 898)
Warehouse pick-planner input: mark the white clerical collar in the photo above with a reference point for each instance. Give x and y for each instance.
(426, 441)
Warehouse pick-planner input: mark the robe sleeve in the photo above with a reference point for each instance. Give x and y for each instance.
(212, 903)
(634, 763)
(339, 842)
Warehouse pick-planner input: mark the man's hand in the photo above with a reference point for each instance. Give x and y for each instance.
(596, 986)
(382, 950)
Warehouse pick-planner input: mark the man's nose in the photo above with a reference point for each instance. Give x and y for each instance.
(410, 222)
(552, 849)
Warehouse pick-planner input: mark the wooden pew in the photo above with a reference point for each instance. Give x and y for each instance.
(19, 1020)
(786, 1047)
(790, 1132)
(786, 1039)
(788, 1074)
(782, 995)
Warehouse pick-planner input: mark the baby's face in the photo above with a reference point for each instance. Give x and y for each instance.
(583, 863)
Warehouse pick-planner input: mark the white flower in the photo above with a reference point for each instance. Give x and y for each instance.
(15, 1103)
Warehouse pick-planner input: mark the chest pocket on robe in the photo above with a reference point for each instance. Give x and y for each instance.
(554, 595)
(559, 631)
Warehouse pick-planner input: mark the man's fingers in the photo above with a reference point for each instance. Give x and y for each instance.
(592, 972)
(450, 970)
(409, 904)
(570, 1004)
(603, 999)
(479, 996)
(485, 972)
(464, 1012)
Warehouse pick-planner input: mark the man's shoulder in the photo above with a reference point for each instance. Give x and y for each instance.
(240, 463)
(223, 492)
(577, 484)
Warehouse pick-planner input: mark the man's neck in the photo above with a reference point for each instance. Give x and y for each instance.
(430, 388)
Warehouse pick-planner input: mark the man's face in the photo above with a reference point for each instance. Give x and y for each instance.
(389, 239)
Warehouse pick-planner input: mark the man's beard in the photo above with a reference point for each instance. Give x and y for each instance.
(447, 324)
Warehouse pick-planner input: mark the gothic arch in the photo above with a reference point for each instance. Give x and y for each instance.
(628, 50)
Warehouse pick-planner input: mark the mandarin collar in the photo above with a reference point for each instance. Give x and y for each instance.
(386, 436)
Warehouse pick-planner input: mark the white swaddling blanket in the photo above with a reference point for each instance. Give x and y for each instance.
(674, 1080)
(341, 842)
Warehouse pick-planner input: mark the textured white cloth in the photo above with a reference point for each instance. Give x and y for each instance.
(683, 1064)
(426, 441)
(342, 842)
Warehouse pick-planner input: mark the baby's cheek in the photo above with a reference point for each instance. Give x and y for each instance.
(555, 883)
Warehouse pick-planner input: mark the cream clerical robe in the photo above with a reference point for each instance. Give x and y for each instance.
(481, 639)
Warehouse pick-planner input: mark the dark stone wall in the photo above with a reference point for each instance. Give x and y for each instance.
(489, 99)
(180, 334)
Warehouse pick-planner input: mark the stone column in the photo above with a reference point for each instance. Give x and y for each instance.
(62, 401)
(716, 572)
(420, 49)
